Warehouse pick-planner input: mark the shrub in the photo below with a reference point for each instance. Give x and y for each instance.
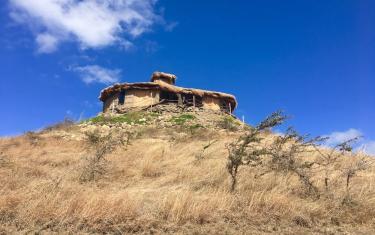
(284, 156)
(229, 123)
(328, 159)
(33, 138)
(3, 160)
(66, 124)
(280, 156)
(100, 147)
(342, 159)
(245, 150)
(356, 164)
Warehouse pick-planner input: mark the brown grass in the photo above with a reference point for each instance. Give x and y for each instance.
(156, 186)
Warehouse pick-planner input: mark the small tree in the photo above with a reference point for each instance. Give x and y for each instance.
(100, 146)
(357, 165)
(327, 159)
(245, 150)
(281, 155)
(288, 152)
(337, 155)
(285, 157)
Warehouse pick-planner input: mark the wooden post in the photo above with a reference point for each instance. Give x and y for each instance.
(230, 108)
(152, 101)
(179, 100)
(194, 101)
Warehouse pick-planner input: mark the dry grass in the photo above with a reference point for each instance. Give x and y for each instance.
(156, 186)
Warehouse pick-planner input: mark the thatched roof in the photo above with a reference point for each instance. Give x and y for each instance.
(162, 86)
(167, 76)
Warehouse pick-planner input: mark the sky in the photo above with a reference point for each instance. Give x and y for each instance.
(315, 60)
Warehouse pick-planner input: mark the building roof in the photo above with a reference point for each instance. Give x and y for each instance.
(163, 86)
(168, 76)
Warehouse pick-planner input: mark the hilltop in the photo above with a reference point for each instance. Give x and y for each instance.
(165, 171)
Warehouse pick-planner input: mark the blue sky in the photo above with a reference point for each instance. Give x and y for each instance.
(313, 59)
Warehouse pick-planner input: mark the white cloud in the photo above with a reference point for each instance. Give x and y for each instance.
(46, 43)
(96, 74)
(169, 27)
(338, 137)
(125, 44)
(369, 147)
(92, 23)
(365, 145)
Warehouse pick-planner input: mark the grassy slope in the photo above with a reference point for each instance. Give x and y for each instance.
(157, 185)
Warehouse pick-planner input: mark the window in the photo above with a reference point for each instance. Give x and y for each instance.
(121, 98)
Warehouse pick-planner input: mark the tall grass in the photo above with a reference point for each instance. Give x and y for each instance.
(154, 185)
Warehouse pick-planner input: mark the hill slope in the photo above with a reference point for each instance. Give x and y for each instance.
(168, 176)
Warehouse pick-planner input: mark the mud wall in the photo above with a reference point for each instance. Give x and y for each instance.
(140, 98)
(211, 103)
(130, 99)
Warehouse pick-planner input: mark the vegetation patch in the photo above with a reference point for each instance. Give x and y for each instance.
(33, 138)
(229, 123)
(193, 128)
(182, 119)
(140, 118)
(67, 124)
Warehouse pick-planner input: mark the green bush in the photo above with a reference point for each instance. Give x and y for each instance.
(182, 119)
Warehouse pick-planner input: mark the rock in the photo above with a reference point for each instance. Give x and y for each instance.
(89, 128)
(124, 125)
